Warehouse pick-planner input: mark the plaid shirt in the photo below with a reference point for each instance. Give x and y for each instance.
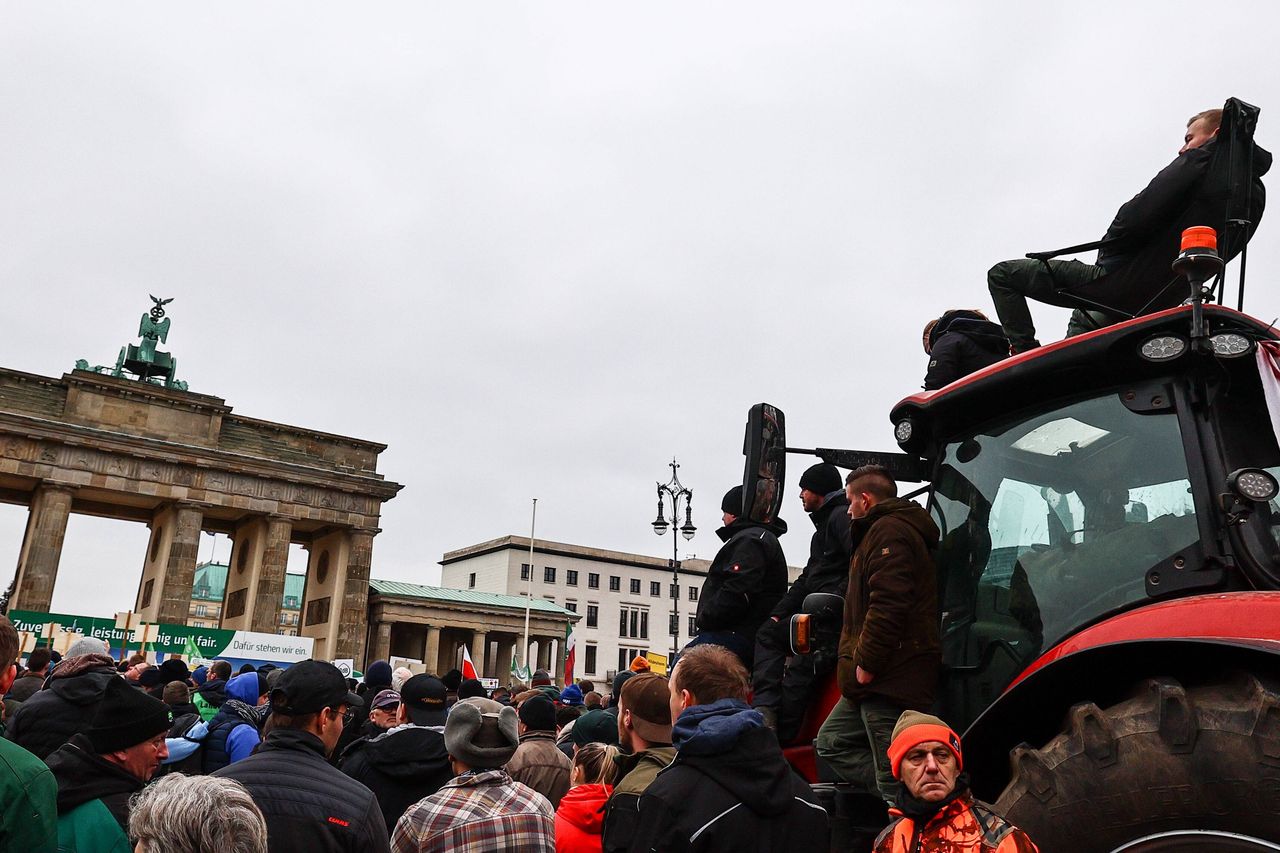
(478, 812)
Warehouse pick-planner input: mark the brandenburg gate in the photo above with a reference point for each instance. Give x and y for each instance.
(141, 447)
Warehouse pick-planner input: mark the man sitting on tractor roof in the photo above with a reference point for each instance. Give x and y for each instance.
(1139, 221)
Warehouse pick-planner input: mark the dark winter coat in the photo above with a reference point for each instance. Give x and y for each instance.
(310, 806)
(891, 607)
(214, 692)
(728, 789)
(540, 765)
(963, 345)
(234, 730)
(400, 766)
(636, 771)
(83, 775)
(746, 579)
(25, 686)
(65, 707)
(829, 553)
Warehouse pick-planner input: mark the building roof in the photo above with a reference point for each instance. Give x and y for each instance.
(400, 589)
(564, 549)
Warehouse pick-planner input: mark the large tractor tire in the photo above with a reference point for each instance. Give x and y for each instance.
(1169, 769)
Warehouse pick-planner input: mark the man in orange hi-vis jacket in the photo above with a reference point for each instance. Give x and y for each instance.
(935, 811)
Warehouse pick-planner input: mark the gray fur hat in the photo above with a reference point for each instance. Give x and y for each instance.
(481, 733)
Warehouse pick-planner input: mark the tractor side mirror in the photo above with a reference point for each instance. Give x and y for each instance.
(801, 635)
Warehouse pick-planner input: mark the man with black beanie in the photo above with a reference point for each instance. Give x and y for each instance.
(98, 771)
(744, 582)
(537, 762)
(782, 698)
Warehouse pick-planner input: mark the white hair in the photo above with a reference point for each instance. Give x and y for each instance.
(196, 814)
(399, 677)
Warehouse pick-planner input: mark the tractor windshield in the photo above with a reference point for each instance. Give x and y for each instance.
(1049, 523)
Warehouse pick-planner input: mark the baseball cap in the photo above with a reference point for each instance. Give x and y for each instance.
(385, 699)
(309, 687)
(648, 698)
(423, 697)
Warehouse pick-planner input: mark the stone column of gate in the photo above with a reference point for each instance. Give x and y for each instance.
(42, 547)
(431, 650)
(381, 642)
(180, 568)
(479, 650)
(269, 595)
(354, 598)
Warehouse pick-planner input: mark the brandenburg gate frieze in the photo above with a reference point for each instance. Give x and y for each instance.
(100, 443)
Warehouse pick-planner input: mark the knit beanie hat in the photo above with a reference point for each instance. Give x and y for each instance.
(821, 479)
(126, 717)
(538, 714)
(470, 688)
(481, 733)
(639, 663)
(571, 695)
(732, 502)
(172, 669)
(87, 646)
(914, 728)
(199, 674)
(378, 674)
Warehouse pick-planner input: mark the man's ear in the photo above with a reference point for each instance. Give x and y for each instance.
(6, 681)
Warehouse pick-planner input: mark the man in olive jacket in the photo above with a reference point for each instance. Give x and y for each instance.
(890, 651)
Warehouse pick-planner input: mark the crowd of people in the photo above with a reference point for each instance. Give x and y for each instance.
(107, 756)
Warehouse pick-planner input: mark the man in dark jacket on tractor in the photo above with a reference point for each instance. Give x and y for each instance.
(890, 651)
(1144, 215)
(960, 342)
(310, 806)
(744, 581)
(729, 788)
(782, 698)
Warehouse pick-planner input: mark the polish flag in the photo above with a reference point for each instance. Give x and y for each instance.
(570, 642)
(468, 668)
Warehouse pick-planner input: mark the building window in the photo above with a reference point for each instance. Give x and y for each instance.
(635, 586)
(615, 583)
(675, 590)
(655, 588)
(291, 602)
(626, 656)
(589, 660)
(571, 577)
(549, 574)
(593, 580)
(593, 616)
(633, 622)
(571, 606)
(693, 593)
(671, 623)
(524, 571)
(201, 610)
(693, 629)
(471, 581)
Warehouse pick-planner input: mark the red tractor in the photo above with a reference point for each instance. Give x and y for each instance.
(1108, 581)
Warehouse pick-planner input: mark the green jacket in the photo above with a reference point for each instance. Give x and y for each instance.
(207, 711)
(28, 802)
(622, 813)
(91, 828)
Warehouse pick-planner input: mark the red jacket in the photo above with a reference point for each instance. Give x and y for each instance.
(580, 819)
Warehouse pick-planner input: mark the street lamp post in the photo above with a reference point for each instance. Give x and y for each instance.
(675, 490)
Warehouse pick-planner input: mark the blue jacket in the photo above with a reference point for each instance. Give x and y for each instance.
(233, 731)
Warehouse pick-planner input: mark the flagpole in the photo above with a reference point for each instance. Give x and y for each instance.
(528, 597)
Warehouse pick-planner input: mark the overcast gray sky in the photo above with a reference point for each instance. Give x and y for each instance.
(538, 249)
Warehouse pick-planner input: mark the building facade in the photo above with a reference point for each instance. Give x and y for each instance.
(627, 602)
(210, 588)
